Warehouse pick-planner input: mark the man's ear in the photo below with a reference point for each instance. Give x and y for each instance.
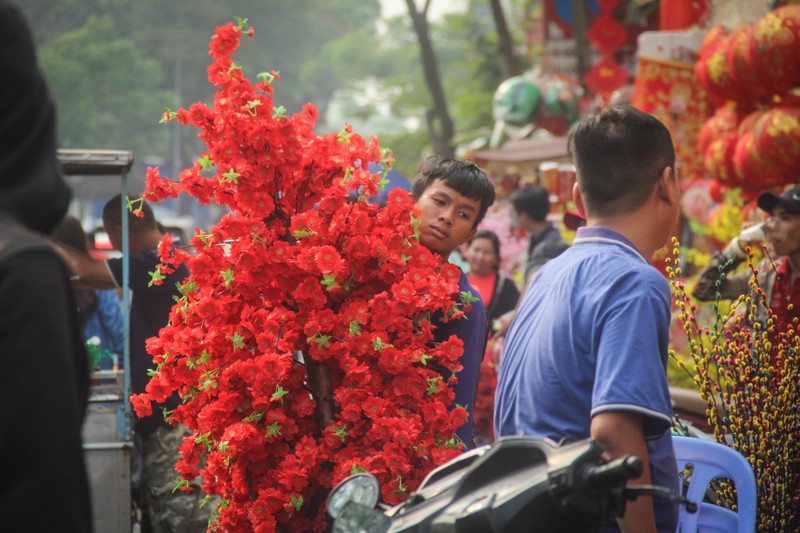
(668, 189)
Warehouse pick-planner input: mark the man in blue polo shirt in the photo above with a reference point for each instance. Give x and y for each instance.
(587, 351)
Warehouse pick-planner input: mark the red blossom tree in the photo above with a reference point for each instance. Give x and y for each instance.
(301, 346)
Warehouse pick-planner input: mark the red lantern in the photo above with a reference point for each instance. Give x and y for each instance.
(725, 120)
(714, 75)
(776, 140)
(772, 51)
(742, 76)
(718, 159)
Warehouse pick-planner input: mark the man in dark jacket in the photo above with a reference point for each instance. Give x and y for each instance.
(45, 376)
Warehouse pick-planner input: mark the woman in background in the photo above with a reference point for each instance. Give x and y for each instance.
(499, 293)
(99, 311)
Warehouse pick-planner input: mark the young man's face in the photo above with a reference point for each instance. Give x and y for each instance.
(447, 218)
(783, 231)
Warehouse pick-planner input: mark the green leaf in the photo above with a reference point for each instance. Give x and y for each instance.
(273, 430)
(180, 483)
(467, 298)
(187, 287)
(232, 175)
(424, 358)
(433, 385)
(355, 469)
(228, 276)
(204, 237)
(299, 234)
(167, 113)
(328, 281)
(206, 163)
(279, 393)
(378, 345)
(355, 328)
(278, 112)
(341, 432)
(223, 445)
(242, 23)
(205, 440)
(382, 184)
(265, 77)
(238, 340)
(323, 341)
(415, 222)
(297, 502)
(343, 136)
(208, 498)
(402, 489)
(155, 276)
(255, 416)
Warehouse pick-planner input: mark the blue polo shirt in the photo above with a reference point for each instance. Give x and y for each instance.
(591, 336)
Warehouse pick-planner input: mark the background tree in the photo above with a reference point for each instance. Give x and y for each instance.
(437, 117)
(327, 51)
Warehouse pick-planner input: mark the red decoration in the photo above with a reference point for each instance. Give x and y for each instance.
(742, 76)
(607, 5)
(772, 50)
(302, 262)
(714, 74)
(726, 120)
(681, 14)
(606, 76)
(718, 158)
(776, 145)
(669, 91)
(606, 34)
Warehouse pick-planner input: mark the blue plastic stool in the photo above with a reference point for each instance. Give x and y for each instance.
(712, 460)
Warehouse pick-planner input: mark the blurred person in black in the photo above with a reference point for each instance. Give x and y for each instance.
(45, 374)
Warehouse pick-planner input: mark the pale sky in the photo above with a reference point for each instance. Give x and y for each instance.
(392, 8)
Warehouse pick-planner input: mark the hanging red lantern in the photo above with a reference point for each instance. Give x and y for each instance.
(753, 172)
(718, 159)
(725, 120)
(776, 139)
(742, 76)
(714, 75)
(772, 50)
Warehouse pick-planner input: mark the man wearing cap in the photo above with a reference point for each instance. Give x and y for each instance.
(782, 230)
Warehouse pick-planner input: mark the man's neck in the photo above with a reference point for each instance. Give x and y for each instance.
(634, 227)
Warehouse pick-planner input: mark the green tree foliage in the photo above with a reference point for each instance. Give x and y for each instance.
(114, 65)
(108, 93)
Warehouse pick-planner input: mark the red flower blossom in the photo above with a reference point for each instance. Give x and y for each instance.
(298, 277)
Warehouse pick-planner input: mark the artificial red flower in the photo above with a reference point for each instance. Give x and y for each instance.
(302, 272)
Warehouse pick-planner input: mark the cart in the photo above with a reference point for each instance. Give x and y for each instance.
(107, 427)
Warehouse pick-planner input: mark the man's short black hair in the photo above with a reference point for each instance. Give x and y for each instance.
(112, 214)
(620, 154)
(461, 175)
(533, 201)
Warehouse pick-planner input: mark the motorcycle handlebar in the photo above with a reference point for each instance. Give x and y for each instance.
(616, 472)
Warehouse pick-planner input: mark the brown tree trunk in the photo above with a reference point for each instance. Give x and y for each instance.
(440, 124)
(506, 46)
(580, 24)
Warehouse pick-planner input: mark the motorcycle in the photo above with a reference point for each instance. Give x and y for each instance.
(517, 484)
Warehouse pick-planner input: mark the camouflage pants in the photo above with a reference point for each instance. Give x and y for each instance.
(170, 512)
